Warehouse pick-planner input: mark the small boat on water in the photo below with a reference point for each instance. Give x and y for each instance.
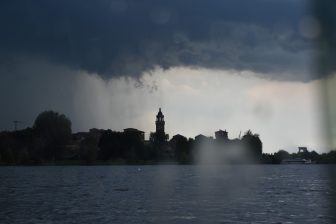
(297, 161)
(302, 152)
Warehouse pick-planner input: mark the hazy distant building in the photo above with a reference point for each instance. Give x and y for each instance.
(221, 135)
(136, 133)
(303, 150)
(93, 132)
(202, 138)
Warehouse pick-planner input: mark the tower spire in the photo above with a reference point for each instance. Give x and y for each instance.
(160, 126)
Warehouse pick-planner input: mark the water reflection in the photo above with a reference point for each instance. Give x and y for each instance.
(165, 194)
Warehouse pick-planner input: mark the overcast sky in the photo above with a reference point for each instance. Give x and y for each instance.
(210, 65)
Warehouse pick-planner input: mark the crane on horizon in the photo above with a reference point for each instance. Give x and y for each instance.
(16, 124)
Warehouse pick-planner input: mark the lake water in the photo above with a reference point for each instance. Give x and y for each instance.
(166, 194)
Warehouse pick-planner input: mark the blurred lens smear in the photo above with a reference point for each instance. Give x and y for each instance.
(323, 28)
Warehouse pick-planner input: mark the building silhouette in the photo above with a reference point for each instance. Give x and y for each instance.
(200, 138)
(221, 135)
(302, 150)
(137, 134)
(160, 123)
(159, 136)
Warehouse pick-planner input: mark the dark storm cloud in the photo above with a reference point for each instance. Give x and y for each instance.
(127, 37)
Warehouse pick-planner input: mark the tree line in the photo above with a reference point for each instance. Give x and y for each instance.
(50, 141)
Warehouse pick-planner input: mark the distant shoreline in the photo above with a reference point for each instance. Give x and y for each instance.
(50, 142)
(152, 163)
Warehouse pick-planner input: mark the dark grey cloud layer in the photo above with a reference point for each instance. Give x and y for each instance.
(127, 37)
(31, 87)
(325, 11)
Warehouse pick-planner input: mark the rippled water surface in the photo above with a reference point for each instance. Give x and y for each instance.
(166, 194)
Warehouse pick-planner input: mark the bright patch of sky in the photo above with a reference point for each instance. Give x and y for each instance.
(201, 101)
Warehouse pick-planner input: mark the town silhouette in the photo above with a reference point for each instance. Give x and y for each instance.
(51, 141)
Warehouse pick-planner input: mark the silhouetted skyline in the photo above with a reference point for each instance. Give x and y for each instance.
(225, 66)
(51, 141)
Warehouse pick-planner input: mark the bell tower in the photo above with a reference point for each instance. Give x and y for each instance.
(159, 136)
(160, 123)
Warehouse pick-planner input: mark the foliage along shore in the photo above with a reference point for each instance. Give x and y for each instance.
(51, 142)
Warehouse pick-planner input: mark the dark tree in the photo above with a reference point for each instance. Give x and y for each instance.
(181, 147)
(281, 155)
(16, 147)
(314, 156)
(54, 131)
(8, 156)
(127, 147)
(89, 149)
(253, 145)
(7, 143)
(111, 145)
